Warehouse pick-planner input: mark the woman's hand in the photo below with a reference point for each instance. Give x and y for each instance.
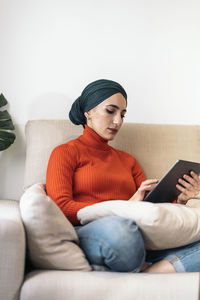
(145, 186)
(189, 188)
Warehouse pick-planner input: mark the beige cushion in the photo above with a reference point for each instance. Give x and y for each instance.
(58, 285)
(42, 136)
(52, 240)
(163, 225)
(155, 146)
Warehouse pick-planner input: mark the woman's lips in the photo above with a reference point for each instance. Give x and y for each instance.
(113, 130)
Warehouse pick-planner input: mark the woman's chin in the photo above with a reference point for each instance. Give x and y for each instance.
(110, 137)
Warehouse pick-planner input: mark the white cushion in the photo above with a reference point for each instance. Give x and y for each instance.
(52, 240)
(163, 225)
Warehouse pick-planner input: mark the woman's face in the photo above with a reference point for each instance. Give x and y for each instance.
(107, 117)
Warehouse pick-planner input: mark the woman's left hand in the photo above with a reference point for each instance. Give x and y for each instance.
(189, 188)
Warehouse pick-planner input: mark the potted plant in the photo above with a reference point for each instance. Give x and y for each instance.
(6, 137)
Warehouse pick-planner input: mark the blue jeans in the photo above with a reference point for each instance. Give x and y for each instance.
(184, 259)
(116, 244)
(112, 243)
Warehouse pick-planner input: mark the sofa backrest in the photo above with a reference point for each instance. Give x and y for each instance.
(156, 147)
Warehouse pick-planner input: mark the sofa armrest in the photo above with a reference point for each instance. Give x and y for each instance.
(12, 250)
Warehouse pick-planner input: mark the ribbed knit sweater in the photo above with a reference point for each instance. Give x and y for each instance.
(87, 170)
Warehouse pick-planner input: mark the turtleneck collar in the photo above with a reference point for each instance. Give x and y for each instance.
(91, 139)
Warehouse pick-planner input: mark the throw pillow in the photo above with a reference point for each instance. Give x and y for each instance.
(52, 240)
(163, 225)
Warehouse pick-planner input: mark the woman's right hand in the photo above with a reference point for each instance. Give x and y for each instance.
(145, 186)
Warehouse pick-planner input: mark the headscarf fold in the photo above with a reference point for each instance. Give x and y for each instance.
(93, 94)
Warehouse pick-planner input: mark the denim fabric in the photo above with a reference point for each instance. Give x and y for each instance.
(184, 259)
(116, 244)
(112, 243)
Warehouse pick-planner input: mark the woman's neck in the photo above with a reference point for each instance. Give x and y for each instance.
(91, 139)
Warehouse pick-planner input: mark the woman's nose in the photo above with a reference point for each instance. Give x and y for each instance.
(117, 119)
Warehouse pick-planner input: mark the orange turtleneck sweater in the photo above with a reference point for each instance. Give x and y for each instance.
(87, 170)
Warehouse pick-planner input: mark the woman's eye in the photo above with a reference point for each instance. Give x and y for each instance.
(122, 116)
(110, 111)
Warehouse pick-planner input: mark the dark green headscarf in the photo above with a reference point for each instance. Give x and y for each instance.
(94, 93)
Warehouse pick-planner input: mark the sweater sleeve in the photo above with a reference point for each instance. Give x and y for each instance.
(138, 174)
(59, 181)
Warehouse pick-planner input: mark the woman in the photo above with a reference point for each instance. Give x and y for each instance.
(87, 170)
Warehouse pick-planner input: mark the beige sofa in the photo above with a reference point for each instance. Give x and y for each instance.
(156, 147)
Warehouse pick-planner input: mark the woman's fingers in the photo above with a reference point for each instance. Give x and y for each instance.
(195, 176)
(185, 184)
(192, 180)
(189, 187)
(150, 181)
(148, 184)
(181, 188)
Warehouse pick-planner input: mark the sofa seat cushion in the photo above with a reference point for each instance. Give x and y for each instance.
(77, 285)
(52, 240)
(163, 225)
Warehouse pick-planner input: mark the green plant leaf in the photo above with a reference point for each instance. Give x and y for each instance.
(3, 100)
(7, 124)
(4, 115)
(6, 139)
(5, 121)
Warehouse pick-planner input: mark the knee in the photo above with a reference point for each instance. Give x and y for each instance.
(114, 242)
(119, 229)
(125, 242)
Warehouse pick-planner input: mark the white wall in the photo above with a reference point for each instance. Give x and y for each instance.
(50, 49)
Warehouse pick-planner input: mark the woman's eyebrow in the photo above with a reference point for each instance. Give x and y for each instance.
(115, 106)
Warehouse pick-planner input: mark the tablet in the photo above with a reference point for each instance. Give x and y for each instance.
(165, 190)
